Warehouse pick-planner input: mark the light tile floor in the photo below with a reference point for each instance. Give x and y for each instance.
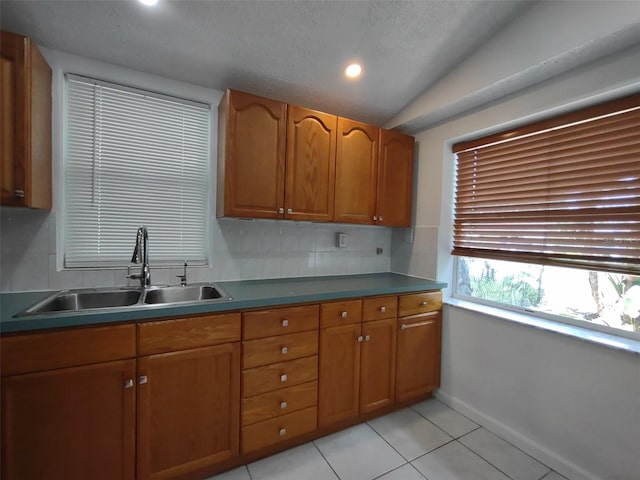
(429, 441)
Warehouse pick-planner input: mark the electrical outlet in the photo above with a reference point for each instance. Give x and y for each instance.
(379, 251)
(341, 240)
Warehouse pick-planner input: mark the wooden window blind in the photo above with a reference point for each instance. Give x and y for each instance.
(565, 191)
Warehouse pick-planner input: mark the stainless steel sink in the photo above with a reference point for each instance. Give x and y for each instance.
(86, 299)
(191, 293)
(91, 299)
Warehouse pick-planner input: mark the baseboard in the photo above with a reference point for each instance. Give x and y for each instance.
(527, 445)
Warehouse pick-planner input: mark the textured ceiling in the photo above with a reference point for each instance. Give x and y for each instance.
(291, 50)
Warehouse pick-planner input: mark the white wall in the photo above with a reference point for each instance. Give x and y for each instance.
(572, 404)
(30, 255)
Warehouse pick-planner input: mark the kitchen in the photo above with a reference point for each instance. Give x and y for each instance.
(482, 93)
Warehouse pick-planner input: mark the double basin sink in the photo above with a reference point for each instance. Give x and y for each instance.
(109, 298)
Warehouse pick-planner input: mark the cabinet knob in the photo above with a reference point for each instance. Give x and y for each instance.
(343, 314)
(128, 383)
(285, 323)
(424, 304)
(375, 218)
(283, 432)
(19, 193)
(380, 218)
(383, 309)
(289, 210)
(367, 338)
(284, 350)
(283, 405)
(359, 339)
(281, 210)
(142, 379)
(283, 377)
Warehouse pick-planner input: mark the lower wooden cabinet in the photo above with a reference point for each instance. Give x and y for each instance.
(188, 410)
(73, 423)
(378, 365)
(418, 357)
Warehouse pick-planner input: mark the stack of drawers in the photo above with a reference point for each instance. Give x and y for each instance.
(279, 375)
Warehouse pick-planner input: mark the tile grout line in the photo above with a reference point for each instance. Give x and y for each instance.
(325, 459)
(481, 457)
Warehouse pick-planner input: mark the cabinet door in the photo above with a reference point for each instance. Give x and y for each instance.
(70, 424)
(395, 179)
(418, 364)
(25, 124)
(378, 364)
(339, 373)
(356, 172)
(311, 163)
(254, 152)
(188, 410)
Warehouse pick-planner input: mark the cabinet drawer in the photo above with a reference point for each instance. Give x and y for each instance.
(270, 432)
(340, 313)
(419, 303)
(379, 308)
(184, 333)
(279, 375)
(278, 403)
(82, 346)
(276, 349)
(279, 321)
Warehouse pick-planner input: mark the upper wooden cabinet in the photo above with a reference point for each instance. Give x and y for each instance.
(288, 162)
(311, 163)
(25, 123)
(251, 156)
(356, 172)
(395, 179)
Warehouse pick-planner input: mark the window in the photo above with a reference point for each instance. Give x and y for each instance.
(133, 158)
(562, 199)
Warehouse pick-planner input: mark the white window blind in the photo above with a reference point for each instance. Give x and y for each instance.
(134, 158)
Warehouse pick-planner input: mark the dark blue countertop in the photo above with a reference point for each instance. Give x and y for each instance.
(246, 294)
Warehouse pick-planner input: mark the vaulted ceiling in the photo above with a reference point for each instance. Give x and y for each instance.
(291, 50)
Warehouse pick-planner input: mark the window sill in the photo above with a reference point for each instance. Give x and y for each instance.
(592, 336)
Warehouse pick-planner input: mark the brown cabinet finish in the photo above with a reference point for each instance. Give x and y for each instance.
(279, 321)
(418, 355)
(378, 364)
(419, 303)
(184, 333)
(70, 424)
(310, 165)
(25, 124)
(188, 410)
(339, 373)
(345, 312)
(264, 351)
(67, 348)
(378, 308)
(395, 179)
(279, 375)
(251, 156)
(356, 172)
(271, 432)
(281, 402)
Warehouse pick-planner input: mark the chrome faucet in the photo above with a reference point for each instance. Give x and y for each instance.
(141, 255)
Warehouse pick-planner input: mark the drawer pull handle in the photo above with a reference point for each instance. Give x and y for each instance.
(419, 324)
(283, 378)
(343, 314)
(285, 323)
(383, 309)
(424, 304)
(359, 339)
(142, 379)
(283, 432)
(367, 338)
(284, 350)
(128, 383)
(283, 405)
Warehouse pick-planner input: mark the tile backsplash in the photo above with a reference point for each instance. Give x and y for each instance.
(240, 250)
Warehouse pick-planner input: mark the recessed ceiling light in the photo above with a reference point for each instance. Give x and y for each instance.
(353, 71)
(149, 3)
